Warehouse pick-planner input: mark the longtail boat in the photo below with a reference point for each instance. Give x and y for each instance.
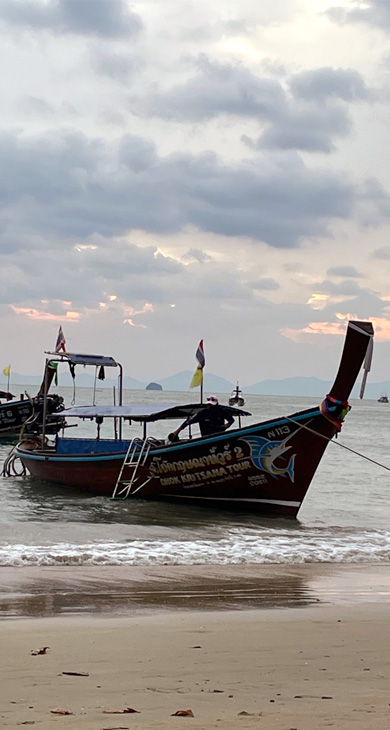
(25, 414)
(263, 467)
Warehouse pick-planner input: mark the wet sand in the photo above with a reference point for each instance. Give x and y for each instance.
(127, 590)
(305, 647)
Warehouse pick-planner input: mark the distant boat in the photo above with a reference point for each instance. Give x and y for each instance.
(236, 398)
(383, 399)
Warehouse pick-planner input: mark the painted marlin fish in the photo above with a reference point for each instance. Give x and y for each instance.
(264, 453)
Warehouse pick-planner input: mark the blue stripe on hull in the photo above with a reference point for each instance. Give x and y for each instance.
(54, 459)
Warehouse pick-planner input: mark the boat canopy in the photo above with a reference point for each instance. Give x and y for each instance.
(143, 412)
(76, 359)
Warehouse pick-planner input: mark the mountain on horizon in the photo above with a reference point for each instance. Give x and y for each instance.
(296, 386)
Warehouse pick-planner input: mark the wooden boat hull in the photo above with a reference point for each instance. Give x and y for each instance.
(265, 467)
(92, 473)
(236, 402)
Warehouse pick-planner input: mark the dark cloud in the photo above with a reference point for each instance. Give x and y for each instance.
(216, 283)
(363, 302)
(137, 154)
(195, 254)
(309, 119)
(67, 187)
(306, 127)
(33, 106)
(273, 68)
(112, 118)
(327, 83)
(348, 297)
(345, 288)
(375, 203)
(106, 19)
(118, 258)
(264, 284)
(88, 273)
(344, 271)
(251, 17)
(218, 89)
(374, 12)
(239, 27)
(116, 66)
(381, 253)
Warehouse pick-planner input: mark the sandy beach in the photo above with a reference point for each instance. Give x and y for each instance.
(301, 664)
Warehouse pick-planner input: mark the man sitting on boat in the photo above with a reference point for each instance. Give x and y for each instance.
(212, 419)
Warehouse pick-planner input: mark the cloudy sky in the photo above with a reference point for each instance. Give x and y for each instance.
(179, 170)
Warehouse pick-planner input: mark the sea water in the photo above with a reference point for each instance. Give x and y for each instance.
(344, 518)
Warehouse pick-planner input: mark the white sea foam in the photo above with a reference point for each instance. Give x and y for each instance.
(316, 546)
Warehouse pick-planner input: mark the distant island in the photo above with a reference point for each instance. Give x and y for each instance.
(154, 386)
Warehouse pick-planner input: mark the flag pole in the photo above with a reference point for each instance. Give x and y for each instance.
(202, 362)
(8, 377)
(46, 387)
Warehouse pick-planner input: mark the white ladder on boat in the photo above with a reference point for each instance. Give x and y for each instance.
(136, 456)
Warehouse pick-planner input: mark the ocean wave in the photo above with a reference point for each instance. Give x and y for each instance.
(284, 548)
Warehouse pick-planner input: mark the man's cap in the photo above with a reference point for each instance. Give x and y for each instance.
(212, 400)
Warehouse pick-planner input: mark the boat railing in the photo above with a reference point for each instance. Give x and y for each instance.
(135, 457)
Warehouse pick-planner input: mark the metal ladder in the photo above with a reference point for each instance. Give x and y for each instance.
(135, 456)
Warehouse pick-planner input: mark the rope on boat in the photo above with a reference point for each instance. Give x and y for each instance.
(336, 443)
(31, 419)
(9, 466)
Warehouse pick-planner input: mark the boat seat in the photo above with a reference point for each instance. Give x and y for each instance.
(86, 446)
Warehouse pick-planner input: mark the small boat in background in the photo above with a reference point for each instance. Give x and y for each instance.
(383, 399)
(236, 398)
(31, 415)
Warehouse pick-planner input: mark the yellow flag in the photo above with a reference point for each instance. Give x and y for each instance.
(7, 370)
(197, 378)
